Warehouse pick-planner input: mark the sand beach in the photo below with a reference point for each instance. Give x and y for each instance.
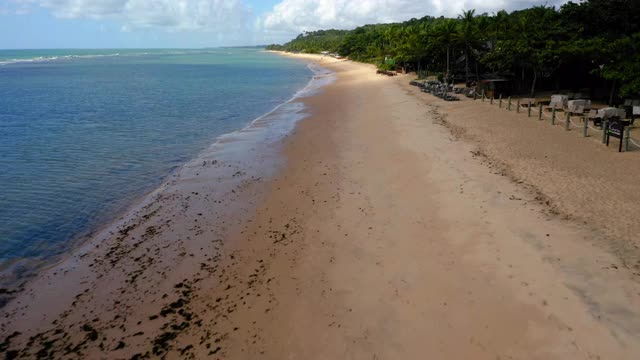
(398, 227)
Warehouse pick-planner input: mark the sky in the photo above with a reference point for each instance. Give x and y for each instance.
(35, 24)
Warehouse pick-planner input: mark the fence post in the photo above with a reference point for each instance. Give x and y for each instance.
(518, 106)
(553, 116)
(566, 124)
(605, 128)
(509, 105)
(540, 112)
(491, 100)
(529, 109)
(500, 104)
(475, 95)
(482, 95)
(627, 136)
(585, 127)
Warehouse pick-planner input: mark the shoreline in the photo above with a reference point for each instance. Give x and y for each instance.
(383, 236)
(85, 241)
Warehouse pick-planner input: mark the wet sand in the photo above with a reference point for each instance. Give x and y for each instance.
(391, 233)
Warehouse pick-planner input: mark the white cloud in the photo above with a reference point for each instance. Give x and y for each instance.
(232, 21)
(294, 16)
(226, 16)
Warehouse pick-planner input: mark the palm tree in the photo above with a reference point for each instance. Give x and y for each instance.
(446, 33)
(467, 35)
(483, 40)
(500, 24)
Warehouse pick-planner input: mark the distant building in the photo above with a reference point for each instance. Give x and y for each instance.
(494, 87)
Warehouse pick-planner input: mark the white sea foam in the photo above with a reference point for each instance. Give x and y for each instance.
(321, 77)
(39, 59)
(42, 59)
(282, 119)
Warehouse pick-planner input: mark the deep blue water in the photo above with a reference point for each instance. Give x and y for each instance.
(83, 136)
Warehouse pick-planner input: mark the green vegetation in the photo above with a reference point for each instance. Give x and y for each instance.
(314, 42)
(593, 44)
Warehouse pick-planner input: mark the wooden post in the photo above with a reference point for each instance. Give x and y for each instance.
(509, 105)
(553, 116)
(500, 104)
(627, 136)
(518, 106)
(605, 128)
(529, 109)
(491, 102)
(540, 112)
(585, 127)
(482, 95)
(475, 95)
(566, 124)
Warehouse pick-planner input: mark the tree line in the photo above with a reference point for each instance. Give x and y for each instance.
(593, 44)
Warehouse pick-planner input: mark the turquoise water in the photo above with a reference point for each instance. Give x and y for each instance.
(83, 133)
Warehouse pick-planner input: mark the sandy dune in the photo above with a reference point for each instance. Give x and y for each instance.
(386, 236)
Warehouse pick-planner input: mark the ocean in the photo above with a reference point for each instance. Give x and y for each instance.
(84, 133)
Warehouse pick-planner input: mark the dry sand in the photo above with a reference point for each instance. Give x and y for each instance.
(319, 59)
(386, 236)
(584, 180)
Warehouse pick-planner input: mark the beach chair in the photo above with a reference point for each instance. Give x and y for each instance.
(558, 102)
(524, 102)
(611, 112)
(577, 109)
(607, 113)
(593, 116)
(635, 111)
(629, 105)
(578, 106)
